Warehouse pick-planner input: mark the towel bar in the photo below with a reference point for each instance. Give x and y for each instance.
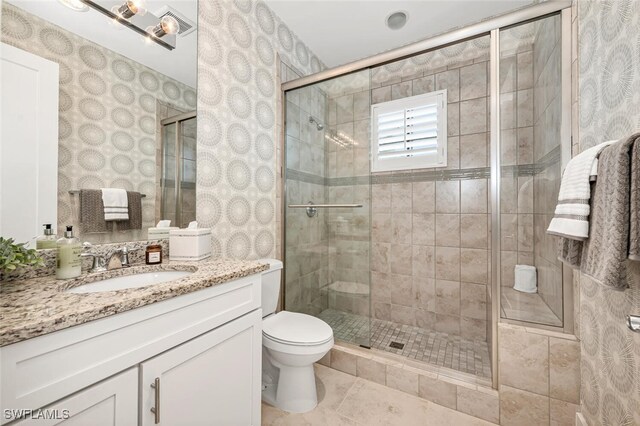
(77, 191)
(312, 208)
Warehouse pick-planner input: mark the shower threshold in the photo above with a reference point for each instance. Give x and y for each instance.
(421, 344)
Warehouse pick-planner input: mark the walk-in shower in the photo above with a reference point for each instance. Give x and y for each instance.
(402, 258)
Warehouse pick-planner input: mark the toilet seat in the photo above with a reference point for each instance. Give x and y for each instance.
(295, 329)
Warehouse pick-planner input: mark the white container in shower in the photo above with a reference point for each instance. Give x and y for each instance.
(526, 279)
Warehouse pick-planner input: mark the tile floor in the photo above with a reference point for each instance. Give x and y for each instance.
(526, 307)
(344, 400)
(455, 352)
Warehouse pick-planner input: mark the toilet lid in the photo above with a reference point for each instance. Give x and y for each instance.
(296, 329)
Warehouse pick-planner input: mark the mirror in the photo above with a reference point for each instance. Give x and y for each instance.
(92, 100)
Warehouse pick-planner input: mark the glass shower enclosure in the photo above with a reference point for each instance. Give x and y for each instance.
(405, 261)
(178, 177)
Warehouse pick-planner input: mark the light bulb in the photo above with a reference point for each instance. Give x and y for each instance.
(75, 5)
(170, 25)
(167, 25)
(129, 9)
(137, 7)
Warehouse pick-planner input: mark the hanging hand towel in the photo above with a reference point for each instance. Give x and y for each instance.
(135, 213)
(116, 205)
(634, 212)
(92, 212)
(605, 253)
(571, 219)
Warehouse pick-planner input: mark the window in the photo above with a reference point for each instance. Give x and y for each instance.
(410, 133)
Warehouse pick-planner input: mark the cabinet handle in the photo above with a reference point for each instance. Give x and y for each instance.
(156, 408)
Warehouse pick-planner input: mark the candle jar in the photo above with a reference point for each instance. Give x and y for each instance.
(153, 255)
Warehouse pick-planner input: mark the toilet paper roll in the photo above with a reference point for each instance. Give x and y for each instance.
(526, 279)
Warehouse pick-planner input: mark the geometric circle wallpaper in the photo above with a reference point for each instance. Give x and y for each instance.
(237, 98)
(609, 108)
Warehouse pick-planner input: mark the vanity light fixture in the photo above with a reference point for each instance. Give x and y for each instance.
(167, 25)
(132, 14)
(129, 8)
(75, 5)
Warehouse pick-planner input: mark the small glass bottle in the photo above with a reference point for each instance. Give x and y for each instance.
(69, 262)
(153, 255)
(48, 240)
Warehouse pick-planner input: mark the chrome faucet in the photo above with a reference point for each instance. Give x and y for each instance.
(103, 263)
(98, 264)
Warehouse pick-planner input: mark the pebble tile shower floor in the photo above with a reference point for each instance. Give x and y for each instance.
(421, 344)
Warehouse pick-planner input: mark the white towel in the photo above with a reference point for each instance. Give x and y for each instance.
(116, 205)
(571, 219)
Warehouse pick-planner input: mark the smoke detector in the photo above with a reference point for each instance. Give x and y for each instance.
(397, 20)
(187, 26)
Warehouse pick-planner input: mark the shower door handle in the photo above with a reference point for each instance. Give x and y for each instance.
(312, 209)
(633, 322)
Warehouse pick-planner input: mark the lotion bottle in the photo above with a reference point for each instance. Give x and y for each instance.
(48, 240)
(69, 262)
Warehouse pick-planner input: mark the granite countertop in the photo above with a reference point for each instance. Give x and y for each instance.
(37, 306)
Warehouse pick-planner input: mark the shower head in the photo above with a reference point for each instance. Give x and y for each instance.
(316, 122)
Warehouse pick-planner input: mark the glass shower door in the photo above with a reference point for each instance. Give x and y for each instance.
(178, 183)
(327, 205)
(531, 138)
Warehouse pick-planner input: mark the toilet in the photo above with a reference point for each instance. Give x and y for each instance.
(291, 343)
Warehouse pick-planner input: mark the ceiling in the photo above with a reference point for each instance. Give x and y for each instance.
(342, 31)
(179, 64)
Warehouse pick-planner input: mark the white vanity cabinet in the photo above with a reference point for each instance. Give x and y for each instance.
(112, 402)
(201, 351)
(211, 380)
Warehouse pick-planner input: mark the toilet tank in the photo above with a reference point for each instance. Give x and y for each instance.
(270, 286)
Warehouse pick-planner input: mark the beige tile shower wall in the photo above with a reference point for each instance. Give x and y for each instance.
(238, 44)
(539, 376)
(306, 237)
(547, 120)
(107, 121)
(347, 166)
(430, 254)
(517, 136)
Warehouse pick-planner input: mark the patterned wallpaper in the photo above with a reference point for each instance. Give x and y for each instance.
(237, 97)
(609, 108)
(107, 120)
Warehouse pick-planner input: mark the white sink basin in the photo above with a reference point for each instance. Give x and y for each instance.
(130, 281)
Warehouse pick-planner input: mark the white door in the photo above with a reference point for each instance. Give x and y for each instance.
(28, 143)
(112, 402)
(213, 379)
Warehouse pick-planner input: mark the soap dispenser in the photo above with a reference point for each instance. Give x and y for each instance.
(48, 240)
(69, 262)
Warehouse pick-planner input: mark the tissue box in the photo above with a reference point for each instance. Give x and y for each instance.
(159, 233)
(190, 244)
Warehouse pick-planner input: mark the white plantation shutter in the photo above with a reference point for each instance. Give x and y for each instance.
(410, 133)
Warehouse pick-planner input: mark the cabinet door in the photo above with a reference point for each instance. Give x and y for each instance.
(112, 402)
(213, 379)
